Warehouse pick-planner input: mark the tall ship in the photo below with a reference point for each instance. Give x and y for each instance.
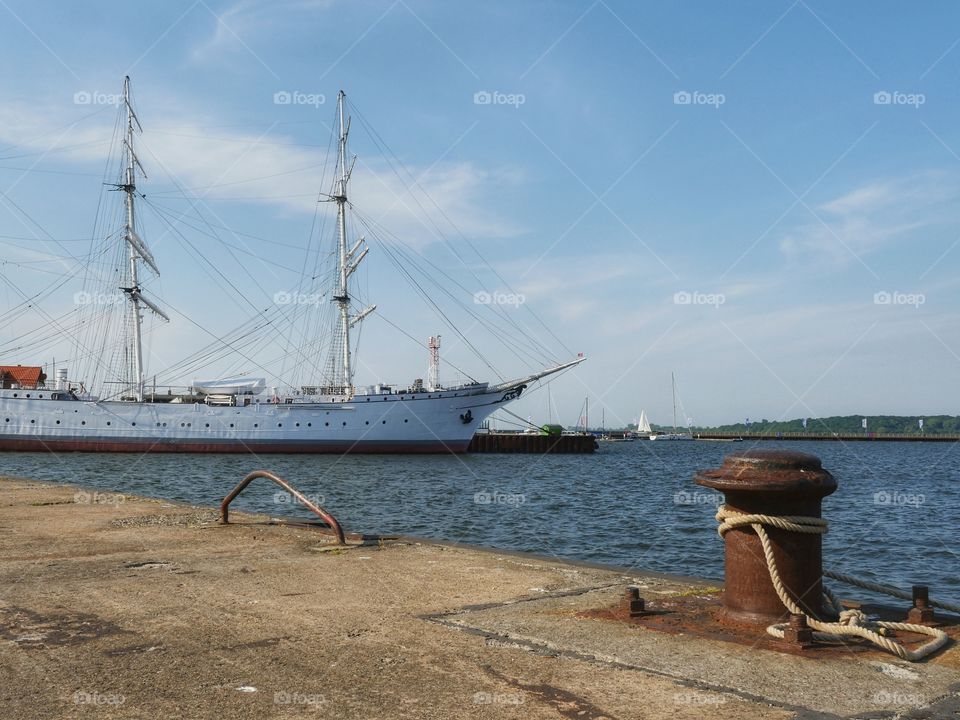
(242, 414)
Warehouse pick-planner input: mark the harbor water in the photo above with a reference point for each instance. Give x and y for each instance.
(631, 504)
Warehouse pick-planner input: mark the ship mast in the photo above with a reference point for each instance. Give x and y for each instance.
(138, 250)
(673, 386)
(347, 262)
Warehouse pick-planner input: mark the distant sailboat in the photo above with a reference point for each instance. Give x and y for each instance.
(673, 435)
(643, 424)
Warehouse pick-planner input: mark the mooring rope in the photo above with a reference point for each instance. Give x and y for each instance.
(852, 622)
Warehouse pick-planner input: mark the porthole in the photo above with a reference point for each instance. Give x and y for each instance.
(188, 424)
(15, 395)
(164, 424)
(134, 424)
(368, 422)
(108, 422)
(83, 422)
(298, 425)
(28, 394)
(256, 425)
(327, 424)
(206, 425)
(278, 425)
(32, 422)
(384, 422)
(58, 422)
(231, 424)
(405, 420)
(309, 424)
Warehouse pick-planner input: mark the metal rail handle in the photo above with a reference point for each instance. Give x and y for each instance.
(323, 514)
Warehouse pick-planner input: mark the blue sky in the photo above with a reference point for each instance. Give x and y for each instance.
(763, 197)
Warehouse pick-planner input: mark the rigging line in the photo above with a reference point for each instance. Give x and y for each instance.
(536, 353)
(437, 309)
(523, 420)
(513, 345)
(50, 151)
(380, 141)
(158, 210)
(184, 190)
(40, 310)
(48, 172)
(236, 140)
(186, 317)
(306, 259)
(423, 345)
(68, 126)
(172, 210)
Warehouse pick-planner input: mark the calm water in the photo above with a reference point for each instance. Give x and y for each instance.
(894, 518)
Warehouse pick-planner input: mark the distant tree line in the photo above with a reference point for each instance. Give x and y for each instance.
(850, 424)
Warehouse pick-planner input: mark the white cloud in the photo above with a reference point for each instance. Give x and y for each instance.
(240, 23)
(276, 170)
(869, 218)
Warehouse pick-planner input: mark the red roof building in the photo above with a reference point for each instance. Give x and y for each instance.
(23, 376)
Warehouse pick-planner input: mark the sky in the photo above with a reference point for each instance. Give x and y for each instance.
(760, 197)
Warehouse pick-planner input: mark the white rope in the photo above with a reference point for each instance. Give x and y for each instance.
(852, 622)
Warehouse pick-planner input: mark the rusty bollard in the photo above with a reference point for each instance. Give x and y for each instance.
(771, 482)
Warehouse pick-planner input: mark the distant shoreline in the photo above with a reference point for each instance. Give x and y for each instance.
(840, 437)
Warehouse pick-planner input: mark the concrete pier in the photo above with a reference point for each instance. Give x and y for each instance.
(115, 606)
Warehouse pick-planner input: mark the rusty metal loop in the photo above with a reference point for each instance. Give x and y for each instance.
(316, 509)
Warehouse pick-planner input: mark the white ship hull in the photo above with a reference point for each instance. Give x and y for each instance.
(671, 437)
(414, 422)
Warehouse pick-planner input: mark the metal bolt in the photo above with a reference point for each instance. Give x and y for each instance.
(633, 602)
(797, 632)
(921, 613)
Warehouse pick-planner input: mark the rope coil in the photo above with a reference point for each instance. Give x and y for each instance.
(852, 623)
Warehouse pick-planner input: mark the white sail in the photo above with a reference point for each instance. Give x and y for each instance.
(643, 424)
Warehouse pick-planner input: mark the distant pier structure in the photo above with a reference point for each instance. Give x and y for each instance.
(511, 442)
